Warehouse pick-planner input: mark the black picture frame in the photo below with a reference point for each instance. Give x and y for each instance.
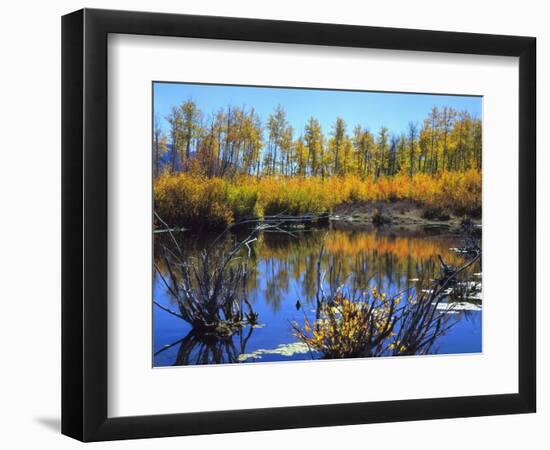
(84, 224)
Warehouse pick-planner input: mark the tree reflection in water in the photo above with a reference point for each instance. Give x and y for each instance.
(200, 348)
(283, 269)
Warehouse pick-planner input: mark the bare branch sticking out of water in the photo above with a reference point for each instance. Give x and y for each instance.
(211, 289)
(364, 323)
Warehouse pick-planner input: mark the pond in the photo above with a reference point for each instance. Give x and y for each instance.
(282, 288)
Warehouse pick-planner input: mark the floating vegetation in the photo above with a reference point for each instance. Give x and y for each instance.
(287, 350)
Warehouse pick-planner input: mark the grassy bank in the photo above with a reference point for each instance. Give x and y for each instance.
(189, 200)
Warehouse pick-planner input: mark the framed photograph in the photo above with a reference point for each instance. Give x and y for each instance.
(273, 224)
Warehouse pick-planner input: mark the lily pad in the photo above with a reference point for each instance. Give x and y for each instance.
(283, 350)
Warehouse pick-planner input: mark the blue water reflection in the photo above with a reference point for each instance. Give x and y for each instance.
(285, 272)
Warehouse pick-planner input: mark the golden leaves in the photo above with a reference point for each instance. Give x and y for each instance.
(190, 197)
(346, 327)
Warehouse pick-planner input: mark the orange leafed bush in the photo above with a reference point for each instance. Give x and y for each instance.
(192, 201)
(349, 328)
(186, 199)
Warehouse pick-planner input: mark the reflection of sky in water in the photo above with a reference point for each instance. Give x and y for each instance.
(286, 271)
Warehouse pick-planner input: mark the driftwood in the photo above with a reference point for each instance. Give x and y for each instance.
(170, 230)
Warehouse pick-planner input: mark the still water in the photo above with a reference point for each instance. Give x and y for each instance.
(283, 283)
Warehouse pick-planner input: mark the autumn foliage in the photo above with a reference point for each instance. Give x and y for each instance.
(190, 200)
(350, 328)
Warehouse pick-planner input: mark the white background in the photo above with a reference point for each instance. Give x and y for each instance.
(135, 389)
(30, 238)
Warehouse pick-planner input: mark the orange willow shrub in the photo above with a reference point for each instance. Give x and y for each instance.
(192, 201)
(460, 192)
(350, 328)
(244, 200)
(294, 196)
(187, 199)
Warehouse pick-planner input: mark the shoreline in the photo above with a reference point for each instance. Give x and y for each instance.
(379, 215)
(398, 214)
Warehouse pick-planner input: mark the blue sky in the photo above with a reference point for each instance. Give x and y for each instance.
(370, 109)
